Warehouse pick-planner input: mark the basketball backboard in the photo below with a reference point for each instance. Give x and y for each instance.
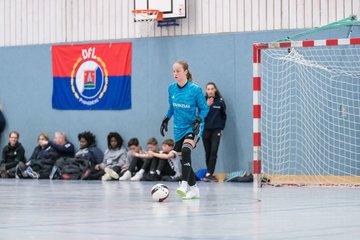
(171, 8)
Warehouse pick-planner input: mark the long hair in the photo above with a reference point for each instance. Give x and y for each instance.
(217, 92)
(88, 136)
(118, 138)
(185, 66)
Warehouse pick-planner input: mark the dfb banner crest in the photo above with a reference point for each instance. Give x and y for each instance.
(92, 76)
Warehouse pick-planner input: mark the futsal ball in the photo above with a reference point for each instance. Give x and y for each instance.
(159, 192)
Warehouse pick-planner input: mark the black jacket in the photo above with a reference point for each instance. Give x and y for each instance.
(92, 154)
(47, 152)
(216, 117)
(2, 122)
(66, 150)
(13, 154)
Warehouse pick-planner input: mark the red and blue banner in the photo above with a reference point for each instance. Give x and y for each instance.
(92, 76)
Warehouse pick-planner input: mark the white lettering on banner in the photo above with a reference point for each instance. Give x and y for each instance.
(92, 102)
(89, 53)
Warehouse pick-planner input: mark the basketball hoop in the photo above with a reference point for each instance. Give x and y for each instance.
(146, 18)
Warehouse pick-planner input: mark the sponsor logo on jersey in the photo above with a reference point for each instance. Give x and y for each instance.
(181, 105)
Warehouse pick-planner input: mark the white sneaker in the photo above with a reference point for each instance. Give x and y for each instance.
(111, 173)
(138, 176)
(126, 176)
(31, 173)
(106, 177)
(182, 190)
(193, 193)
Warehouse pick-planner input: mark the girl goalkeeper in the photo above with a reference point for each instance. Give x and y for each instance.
(188, 106)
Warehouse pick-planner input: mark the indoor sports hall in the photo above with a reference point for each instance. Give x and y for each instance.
(288, 163)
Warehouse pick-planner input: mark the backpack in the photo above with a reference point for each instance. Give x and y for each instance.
(200, 174)
(239, 176)
(73, 168)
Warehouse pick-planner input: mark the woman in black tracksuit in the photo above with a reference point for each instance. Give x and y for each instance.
(214, 125)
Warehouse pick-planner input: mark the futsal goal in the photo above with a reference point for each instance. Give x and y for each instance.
(306, 112)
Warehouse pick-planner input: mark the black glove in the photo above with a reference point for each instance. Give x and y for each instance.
(196, 126)
(164, 126)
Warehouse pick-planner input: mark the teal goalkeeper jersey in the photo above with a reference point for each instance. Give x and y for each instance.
(185, 104)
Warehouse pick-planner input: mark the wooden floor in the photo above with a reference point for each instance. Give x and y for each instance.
(43, 209)
(315, 180)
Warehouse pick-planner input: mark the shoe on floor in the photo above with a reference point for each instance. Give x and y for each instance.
(210, 178)
(126, 176)
(31, 173)
(193, 193)
(111, 173)
(138, 176)
(106, 177)
(53, 172)
(182, 190)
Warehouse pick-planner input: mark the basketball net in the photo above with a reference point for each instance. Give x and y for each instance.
(145, 20)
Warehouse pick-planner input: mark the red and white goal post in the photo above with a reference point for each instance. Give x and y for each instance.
(306, 113)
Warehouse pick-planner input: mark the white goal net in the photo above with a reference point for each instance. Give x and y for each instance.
(310, 115)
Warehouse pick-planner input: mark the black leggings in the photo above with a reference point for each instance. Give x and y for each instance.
(163, 166)
(211, 140)
(139, 163)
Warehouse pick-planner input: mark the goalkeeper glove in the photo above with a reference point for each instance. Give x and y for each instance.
(196, 125)
(164, 126)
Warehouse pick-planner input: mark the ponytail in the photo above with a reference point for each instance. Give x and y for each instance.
(185, 66)
(189, 76)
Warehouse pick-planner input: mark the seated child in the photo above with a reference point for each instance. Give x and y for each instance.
(166, 164)
(115, 161)
(140, 161)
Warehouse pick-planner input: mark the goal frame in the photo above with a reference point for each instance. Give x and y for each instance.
(257, 49)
